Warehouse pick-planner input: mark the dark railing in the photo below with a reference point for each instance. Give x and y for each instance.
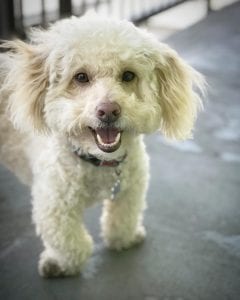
(14, 20)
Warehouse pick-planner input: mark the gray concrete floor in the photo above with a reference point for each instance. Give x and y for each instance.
(192, 250)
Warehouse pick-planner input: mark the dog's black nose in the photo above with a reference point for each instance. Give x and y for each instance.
(108, 112)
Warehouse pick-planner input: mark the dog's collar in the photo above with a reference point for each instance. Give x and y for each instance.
(98, 162)
(116, 187)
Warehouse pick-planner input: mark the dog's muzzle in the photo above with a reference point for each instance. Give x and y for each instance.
(108, 112)
(107, 136)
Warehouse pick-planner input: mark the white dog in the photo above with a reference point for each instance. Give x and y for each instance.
(74, 105)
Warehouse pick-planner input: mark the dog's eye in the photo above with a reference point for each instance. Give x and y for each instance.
(128, 76)
(81, 77)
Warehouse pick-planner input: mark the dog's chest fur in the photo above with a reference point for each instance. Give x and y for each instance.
(91, 183)
(98, 182)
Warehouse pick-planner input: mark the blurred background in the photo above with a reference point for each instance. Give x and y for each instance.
(17, 15)
(192, 251)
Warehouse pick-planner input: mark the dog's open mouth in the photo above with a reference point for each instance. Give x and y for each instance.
(108, 139)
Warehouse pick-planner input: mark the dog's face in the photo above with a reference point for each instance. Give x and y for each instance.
(100, 83)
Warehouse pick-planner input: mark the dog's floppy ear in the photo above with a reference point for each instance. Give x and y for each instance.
(178, 100)
(27, 82)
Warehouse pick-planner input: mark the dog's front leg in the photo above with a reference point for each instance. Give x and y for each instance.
(57, 213)
(122, 217)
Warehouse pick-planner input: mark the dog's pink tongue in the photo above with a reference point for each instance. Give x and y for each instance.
(108, 135)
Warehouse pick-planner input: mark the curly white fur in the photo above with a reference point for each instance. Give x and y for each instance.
(44, 113)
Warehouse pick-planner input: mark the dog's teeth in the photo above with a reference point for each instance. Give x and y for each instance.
(117, 138)
(99, 139)
(109, 145)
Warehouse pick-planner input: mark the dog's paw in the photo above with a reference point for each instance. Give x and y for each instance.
(50, 268)
(140, 235)
(119, 244)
